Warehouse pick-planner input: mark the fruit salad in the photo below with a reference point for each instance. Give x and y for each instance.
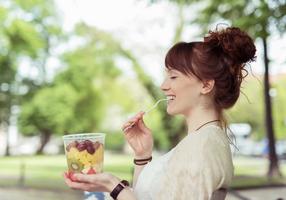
(85, 156)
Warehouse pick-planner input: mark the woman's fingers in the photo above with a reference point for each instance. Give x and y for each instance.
(80, 182)
(77, 185)
(85, 178)
(79, 177)
(69, 175)
(129, 124)
(142, 126)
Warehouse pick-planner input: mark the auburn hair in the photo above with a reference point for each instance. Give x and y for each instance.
(222, 57)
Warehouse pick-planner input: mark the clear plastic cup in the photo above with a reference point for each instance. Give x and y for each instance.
(85, 152)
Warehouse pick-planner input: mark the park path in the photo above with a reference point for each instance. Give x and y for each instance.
(269, 193)
(14, 193)
(272, 193)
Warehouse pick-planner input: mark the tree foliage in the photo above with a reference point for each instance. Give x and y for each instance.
(28, 31)
(82, 93)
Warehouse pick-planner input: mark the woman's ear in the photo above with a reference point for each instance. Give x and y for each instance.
(208, 86)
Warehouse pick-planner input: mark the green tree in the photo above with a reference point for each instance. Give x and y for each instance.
(27, 28)
(80, 95)
(72, 102)
(50, 111)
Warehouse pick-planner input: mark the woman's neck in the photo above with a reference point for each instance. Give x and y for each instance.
(200, 116)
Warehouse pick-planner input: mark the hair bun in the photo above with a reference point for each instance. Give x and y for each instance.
(235, 43)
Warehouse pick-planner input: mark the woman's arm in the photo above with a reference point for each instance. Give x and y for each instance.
(137, 171)
(140, 139)
(125, 194)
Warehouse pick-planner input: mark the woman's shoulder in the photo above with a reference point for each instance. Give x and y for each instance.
(207, 148)
(206, 137)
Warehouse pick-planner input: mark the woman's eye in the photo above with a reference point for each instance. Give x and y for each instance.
(173, 77)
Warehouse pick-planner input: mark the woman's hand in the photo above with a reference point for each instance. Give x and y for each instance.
(139, 136)
(101, 182)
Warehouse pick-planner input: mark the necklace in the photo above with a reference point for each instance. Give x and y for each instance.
(217, 120)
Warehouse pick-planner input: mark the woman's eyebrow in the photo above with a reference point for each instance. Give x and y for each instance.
(173, 71)
(169, 70)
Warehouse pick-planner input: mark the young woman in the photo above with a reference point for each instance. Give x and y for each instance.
(203, 79)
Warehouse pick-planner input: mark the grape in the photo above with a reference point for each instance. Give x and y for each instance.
(72, 144)
(81, 146)
(88, 143)
(90, 149)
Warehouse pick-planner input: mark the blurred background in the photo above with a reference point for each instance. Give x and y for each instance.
(74, 66)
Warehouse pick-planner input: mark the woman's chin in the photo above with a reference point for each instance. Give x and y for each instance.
(171, 112)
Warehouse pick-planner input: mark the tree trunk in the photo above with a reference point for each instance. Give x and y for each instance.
(44, 139)
(273, 169)
(6, 125)
(7, 148)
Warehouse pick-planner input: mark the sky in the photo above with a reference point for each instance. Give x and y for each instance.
(147, 30)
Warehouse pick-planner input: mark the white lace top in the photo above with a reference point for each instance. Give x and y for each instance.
(199, 165)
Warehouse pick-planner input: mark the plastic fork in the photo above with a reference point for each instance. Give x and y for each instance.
(146, 112)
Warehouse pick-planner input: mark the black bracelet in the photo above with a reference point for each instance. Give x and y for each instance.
(124, 182)
(142, 161)
(120, 186)
(145, 159)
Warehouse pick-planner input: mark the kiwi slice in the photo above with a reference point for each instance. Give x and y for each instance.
(75, 165)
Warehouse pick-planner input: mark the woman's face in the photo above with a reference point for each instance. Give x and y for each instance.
(182, 91)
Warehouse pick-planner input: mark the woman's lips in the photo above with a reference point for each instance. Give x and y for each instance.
(170, 98)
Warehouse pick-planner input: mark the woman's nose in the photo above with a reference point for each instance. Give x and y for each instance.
(164, 86)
